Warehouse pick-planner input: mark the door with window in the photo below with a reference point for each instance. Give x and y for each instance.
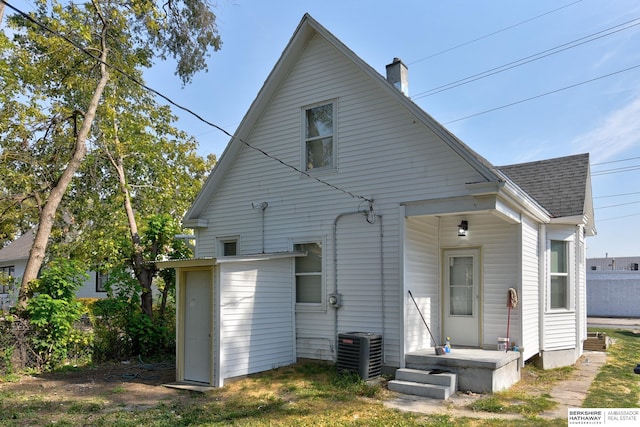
(461, 297)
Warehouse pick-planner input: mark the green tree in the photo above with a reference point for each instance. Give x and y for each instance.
(57, 67)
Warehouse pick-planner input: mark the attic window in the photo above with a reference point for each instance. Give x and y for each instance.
(319, 137)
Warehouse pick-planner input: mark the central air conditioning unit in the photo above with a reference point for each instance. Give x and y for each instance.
(360, 352)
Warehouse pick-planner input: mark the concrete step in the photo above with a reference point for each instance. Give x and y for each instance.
(448, 379)
(432, 391)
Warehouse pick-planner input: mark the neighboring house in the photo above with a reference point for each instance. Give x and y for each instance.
(613, 287)
(374, 199)
(13, 260)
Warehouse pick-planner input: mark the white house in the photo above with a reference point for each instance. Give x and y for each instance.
(338, 195)
(13, 261)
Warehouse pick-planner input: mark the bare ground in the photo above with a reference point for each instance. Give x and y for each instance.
(129, 385)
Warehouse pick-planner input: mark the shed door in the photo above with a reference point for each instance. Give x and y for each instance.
(462, 297)
(197, 326)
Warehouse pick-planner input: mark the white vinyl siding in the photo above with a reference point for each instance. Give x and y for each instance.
(256, 304)
(382, 152)
(529, 298)
(422, 278)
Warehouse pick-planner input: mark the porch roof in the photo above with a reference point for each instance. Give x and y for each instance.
(560, 184)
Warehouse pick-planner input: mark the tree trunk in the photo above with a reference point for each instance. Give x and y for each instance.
(48, 213)
(143, 272)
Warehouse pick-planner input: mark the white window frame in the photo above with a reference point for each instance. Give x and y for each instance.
(334, 136)
(101, 279)
(570, 274)
(221, 241)
(314, 306)
(9, 271)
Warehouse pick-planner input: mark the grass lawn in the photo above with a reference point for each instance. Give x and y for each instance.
(306, 394)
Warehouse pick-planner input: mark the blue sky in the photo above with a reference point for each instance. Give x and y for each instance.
(446, 41)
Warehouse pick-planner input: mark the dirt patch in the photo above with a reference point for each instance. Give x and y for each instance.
(116, 384)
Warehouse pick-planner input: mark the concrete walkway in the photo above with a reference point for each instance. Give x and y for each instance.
(568, 394)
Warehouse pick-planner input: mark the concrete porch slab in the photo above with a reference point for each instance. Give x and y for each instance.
(479, 371)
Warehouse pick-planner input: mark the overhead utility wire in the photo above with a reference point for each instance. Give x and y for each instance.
(618, 217)
(541, 95)
(621, 204)
(617, 170)
(531, 58)
(493, 33)
(617, 195)
(169, 100)
(615, 161)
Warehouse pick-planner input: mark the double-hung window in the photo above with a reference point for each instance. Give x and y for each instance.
(319, 137)
(559, 275)
(101, 281)
(7, 279)
(309, 274)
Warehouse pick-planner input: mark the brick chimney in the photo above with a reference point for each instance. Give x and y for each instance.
(398, 75)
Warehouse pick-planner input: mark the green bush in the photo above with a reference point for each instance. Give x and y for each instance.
(122, 330)
(53, 312)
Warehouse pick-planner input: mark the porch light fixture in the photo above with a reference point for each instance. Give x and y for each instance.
(462, 228)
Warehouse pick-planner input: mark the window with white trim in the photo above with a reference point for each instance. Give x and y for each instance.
(6, 279)
(559, 285)
(101, 281)
(319, 137)
(309, 274)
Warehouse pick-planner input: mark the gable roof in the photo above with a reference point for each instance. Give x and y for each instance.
(18, 249)
(307, 29)
(560, 184)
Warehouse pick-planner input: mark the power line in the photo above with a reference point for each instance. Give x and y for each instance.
(493, 33)
(616, 170)
(541, 95)
(619, 217)
(170, 101)
(528, 59)
(621, 204)
(617, 195)
(615, 161)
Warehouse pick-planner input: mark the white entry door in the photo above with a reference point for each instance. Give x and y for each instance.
(197, 326)
(461, 297)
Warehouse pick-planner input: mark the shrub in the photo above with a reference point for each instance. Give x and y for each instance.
(122, 330)
(53, 312)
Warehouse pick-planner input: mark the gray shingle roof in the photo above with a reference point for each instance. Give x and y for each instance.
(559, 184)
(18, 249)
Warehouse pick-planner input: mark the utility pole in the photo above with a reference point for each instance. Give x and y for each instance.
(1, 11)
